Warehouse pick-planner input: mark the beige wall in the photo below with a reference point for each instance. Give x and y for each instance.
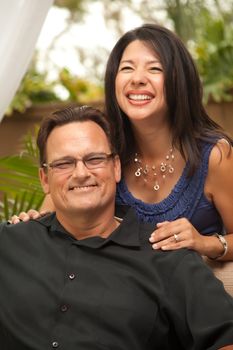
(13, 128)
(222, 113)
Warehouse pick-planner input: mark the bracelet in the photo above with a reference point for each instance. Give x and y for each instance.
(223, 241)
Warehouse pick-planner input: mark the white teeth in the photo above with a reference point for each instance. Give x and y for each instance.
(81, 187)
(139, 97)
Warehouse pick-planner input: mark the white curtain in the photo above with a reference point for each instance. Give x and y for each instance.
(20, 24)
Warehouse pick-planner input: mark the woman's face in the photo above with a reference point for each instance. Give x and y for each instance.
(140, 83)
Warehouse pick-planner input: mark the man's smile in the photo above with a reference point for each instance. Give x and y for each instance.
(81, 187)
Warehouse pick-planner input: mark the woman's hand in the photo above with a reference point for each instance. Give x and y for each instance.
(31, 214)
(47, 207)
(180, 233)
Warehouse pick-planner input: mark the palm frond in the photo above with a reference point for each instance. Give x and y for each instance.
(14, 204)
(20, 188)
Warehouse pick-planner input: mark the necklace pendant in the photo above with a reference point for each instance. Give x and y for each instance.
(146, 170)
(171, 169)
(163, 167)
(138, 172)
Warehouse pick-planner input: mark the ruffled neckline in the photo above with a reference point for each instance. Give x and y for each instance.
(173, 196)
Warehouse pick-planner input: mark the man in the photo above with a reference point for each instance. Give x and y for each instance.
(79, 279)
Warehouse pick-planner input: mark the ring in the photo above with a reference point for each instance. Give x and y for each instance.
(176, 238)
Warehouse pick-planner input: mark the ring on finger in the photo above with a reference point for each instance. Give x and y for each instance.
(176, 237)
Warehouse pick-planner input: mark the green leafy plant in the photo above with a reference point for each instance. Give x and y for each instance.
(19, 182)
(214, 56)
(34, 88)
(80, 90)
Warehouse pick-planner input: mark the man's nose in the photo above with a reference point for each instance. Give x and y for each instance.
(80, 170)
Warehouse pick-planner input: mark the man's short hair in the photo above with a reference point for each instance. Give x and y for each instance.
(71, 115)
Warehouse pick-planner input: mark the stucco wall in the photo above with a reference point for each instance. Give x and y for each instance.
(13, 128)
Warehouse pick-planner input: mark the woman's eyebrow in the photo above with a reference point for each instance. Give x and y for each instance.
(148, 62)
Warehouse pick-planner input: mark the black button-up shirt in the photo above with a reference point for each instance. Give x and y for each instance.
(98, 294)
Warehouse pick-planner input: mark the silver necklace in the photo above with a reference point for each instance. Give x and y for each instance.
(145, 171)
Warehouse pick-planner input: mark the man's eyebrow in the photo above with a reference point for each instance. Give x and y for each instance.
(96, 153)
(91, 154)
(63, 158)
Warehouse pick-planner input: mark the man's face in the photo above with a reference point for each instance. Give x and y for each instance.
(80, 189)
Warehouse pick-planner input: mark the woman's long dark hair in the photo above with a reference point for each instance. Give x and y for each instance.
(188, 119)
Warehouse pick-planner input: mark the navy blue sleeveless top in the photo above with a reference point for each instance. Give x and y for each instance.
(187, 199)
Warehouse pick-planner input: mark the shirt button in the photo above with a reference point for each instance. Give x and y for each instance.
(64, 308)
(72, 276)
(55, 344)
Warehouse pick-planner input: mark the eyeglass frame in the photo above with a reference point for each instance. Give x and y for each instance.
(74, 161)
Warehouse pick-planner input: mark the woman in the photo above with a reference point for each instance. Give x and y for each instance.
(177, 163)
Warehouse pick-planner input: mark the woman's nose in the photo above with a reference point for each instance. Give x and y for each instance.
(139, 77)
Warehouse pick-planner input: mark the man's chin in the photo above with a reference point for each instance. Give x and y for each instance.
(83, 207)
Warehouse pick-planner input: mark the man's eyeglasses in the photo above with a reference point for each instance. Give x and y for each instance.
(91, 161)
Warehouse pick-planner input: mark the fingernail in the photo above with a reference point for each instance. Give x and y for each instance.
(151, 239)
(155, 246)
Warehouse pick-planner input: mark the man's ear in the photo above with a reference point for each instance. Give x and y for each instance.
(44, 180)
(117, 168)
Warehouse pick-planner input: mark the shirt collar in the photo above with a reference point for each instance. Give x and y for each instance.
(127, 233)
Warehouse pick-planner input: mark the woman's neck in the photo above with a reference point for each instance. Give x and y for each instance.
(153, 142)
